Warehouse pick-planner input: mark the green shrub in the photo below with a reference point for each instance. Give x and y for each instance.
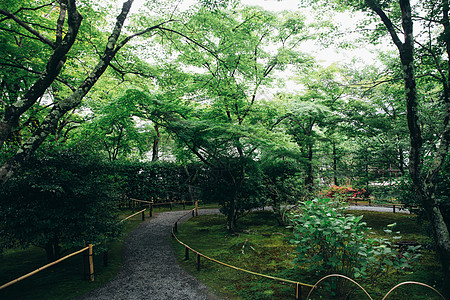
(59, 200)
(332, 242)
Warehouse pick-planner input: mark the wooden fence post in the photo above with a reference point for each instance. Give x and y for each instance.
(298, 292)
(151, 209)
(143, 215)
(198, 262)
(186, 254)
(196, 208)
(91, 264)
(393, 208)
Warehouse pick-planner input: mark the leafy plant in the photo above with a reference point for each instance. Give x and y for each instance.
(330, 241)
(60, 200)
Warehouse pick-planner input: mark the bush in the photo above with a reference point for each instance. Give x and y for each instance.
(331, 242)
(343, 192)
(59, 200)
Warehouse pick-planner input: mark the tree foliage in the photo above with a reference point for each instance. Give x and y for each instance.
(59, 200)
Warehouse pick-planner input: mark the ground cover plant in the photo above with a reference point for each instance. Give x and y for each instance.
(261, 245)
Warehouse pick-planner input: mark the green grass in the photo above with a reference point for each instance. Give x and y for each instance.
(61, 281)
(262, 246)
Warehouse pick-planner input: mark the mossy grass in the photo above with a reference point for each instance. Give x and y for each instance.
(261, 245)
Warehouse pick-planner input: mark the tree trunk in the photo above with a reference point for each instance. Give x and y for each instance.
(155, 149)
(52, 250)
(52, 70)
(309, 179)
(335, 160)
(231, 215)
(425, 184)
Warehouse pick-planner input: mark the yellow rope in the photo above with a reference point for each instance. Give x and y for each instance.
(231, 266)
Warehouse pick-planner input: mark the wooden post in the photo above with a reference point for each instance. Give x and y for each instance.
(175, 229)
(143, 215)
(184, 204)
(91, 264)
(196, 208)
(151, 209)
(186, 254)
(193, 213)
(298, 292)
(171, 206)
(198, 262)
(393, 208)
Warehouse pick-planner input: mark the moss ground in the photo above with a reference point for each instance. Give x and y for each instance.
(262, 246)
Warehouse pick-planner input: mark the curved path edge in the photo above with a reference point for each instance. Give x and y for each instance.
(150, 269)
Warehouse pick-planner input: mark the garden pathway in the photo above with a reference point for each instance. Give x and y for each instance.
(150, 269)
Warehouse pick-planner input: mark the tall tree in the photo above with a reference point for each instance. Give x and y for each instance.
(222, 69)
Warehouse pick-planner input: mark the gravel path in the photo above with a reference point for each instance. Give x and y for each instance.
(150, 269)
(378, 208)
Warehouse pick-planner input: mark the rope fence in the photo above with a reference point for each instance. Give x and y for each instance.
(298, 285)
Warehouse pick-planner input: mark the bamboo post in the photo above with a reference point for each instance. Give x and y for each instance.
(198, 262)
(186, 253)
(91, 264)
(298, 292)
(196, 208)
